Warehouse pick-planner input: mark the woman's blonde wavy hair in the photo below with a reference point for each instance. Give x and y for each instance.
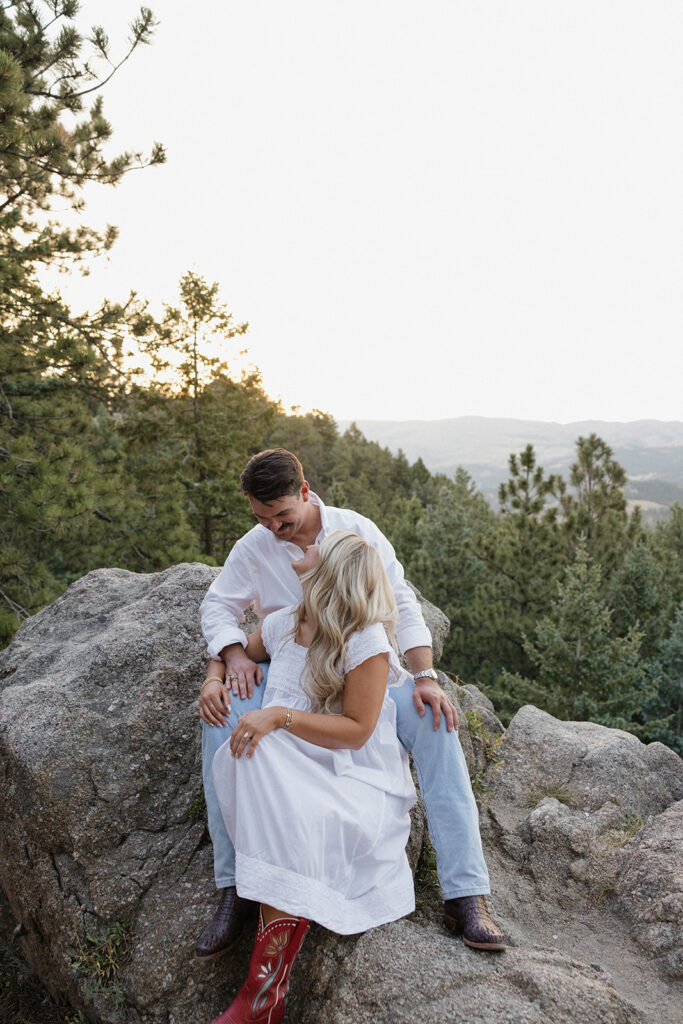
(346, 591)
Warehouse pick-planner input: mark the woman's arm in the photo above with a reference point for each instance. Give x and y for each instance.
(364, 689)
(214, 697)
(214, 702)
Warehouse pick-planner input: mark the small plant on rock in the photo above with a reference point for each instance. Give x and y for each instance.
(426, 873)
(625, 832)
(427, 889)
(489, 740)
(197, 809)
(481, 782)
(558, 793)
(23, 1000)
(604, 890)
(101, 958)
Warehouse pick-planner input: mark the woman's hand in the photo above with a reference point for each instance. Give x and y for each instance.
(252, 727)
(214, 703)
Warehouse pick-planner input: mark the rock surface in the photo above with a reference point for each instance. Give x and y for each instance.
(582, 830)
(106, 862)
(409, 971)
(592, 764)
(649, 887)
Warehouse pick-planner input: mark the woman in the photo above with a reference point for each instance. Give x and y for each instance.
(318, 810)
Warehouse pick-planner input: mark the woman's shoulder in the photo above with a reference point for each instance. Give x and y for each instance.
(364, 644)
(276, 625)
(280, 615)
(374, 630)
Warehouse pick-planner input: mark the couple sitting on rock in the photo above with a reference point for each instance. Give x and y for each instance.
(305, 732)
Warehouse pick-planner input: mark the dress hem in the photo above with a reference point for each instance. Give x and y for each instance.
(303, 896)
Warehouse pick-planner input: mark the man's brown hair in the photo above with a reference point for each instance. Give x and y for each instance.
(272, 474)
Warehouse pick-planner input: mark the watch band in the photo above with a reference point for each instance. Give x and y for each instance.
(426, 672)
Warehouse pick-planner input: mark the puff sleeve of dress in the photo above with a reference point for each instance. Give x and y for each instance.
(368, 642)
(274, 630)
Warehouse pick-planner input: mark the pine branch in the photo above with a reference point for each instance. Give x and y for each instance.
(16, 608)
(7, 402)
(142, 27)
(110, 176)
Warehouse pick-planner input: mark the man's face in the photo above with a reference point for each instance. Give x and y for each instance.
(282, 516)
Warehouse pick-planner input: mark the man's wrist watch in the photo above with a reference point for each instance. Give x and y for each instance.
(426, 673)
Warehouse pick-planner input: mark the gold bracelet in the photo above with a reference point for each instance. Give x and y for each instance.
(288, 718)
(211, 679)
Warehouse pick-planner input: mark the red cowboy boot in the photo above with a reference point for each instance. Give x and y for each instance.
(261, 1000)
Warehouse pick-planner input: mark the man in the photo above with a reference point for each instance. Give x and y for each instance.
(259, 568)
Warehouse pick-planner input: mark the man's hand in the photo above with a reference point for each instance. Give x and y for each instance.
(214, 703)
(241, 671)
(428, 691)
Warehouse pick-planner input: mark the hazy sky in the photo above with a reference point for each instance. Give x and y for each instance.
(424, 209)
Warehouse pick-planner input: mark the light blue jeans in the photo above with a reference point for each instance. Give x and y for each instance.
(452, 814)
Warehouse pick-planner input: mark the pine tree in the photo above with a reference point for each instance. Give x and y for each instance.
(524, 555)
(206, 423)
(448, 569)
(667, 548)
(400, 519)
(596, 512)
(50, 147)
(581, 670)
(670, 692)
(639, 598)
(313, 438)
(57, 369)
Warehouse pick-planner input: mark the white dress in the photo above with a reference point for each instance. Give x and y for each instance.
(321, 833)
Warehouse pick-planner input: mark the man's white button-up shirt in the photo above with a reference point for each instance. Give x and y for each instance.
(259, 569)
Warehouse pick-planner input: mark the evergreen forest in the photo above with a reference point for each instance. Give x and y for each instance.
(123, 436)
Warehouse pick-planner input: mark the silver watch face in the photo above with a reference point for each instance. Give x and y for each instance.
(427, 673)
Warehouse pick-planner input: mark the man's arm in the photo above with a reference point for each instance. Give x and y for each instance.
(411, 630)
(225, 603)
(412, 635)
(221, 611)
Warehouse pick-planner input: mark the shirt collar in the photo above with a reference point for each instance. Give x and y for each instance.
(322, 509)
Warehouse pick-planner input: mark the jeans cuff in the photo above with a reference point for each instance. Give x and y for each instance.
(223, 883)
(475, 890)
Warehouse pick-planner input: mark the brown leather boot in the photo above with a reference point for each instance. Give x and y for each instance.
(261, 1000)
(225, 927)
(469, 916)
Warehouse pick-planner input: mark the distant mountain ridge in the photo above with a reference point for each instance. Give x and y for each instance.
(651, 451)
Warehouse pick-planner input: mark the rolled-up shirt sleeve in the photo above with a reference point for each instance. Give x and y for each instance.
(226, 600)
(411, 630)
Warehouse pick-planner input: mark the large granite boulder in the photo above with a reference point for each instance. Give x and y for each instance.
(107, 867)
(592, 819)
(648, 887)
(104, 852)
(413, 971)
(590, 764)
